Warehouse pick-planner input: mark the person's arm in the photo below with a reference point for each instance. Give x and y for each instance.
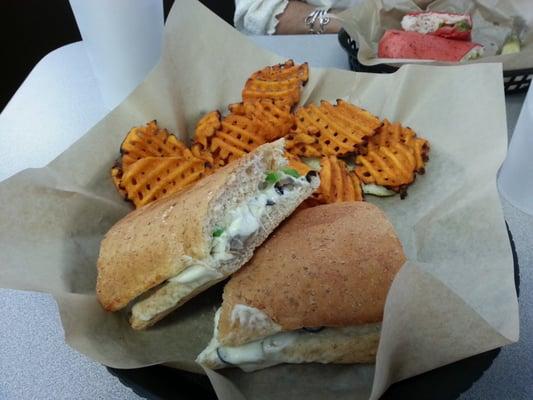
(292, 20)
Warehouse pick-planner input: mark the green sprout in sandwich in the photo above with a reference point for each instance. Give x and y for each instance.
(272, 177)
(218, 232)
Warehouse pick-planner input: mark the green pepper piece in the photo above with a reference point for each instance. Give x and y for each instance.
(272, 177)
(218, 232)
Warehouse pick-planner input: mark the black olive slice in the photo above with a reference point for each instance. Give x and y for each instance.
(313, 329)
(310, 175)
(220, 353)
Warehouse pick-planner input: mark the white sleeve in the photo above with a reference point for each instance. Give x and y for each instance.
(258, 17)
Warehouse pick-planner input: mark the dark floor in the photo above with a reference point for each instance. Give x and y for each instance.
(31, 29)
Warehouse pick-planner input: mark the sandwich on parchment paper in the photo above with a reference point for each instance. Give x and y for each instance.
(413, 45)
(314, 292)
(163, 254)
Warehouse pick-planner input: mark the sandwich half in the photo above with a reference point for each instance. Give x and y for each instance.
(413, 45)
(314, 292)
(161, 255)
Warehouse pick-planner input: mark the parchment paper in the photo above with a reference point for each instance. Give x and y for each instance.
(454, 298)
(492, 21)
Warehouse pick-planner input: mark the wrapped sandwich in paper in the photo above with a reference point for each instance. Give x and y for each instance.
(395, 32)
(414, 45)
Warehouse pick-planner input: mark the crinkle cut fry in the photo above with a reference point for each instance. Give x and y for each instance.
(274, 119)
(390, 166)
(340, 142)
(149, 141)
(341, 129)
(116, 176)
(277, 91)
(283, 71)
(151, 178)
(302, 145)
(280, 83)
(337, 184)
(206, 128)
(396, 133)
(238, 135)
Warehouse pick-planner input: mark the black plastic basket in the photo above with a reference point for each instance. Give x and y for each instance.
(515, 81)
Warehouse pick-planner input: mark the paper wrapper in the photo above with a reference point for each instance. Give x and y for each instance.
(453, 299)
(492, 21)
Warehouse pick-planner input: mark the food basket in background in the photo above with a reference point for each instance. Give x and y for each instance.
(514, 81)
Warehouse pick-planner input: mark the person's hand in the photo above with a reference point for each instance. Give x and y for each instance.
(292, 20)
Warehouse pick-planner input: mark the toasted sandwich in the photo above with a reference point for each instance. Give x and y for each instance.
(314, 292)
(163, 254)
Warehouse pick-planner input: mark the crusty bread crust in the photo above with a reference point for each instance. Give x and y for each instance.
(156, 242)
(330, 265)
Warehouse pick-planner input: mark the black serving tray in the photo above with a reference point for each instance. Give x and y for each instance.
(444, 383)
(514, 81)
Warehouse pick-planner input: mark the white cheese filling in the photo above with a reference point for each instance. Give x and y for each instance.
(264, 352)
(196, 274)
(250, 356)
(276, 348)
(238, 225)
(242, 222)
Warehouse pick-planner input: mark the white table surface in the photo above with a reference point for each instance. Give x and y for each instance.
(56, 105)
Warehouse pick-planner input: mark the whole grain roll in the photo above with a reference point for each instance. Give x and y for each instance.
(330, 265)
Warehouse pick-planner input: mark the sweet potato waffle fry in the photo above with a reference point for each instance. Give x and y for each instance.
(302, 144)
(149, 141)
(392, 166)
(275, 119)
(396, 133)
(279, 83)
(206, 128)
(151, 178)
(116, 176)
(337, 184)
(237, 136)
(200, 152)
(341, 129)
(387, 155)
(145, 141)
